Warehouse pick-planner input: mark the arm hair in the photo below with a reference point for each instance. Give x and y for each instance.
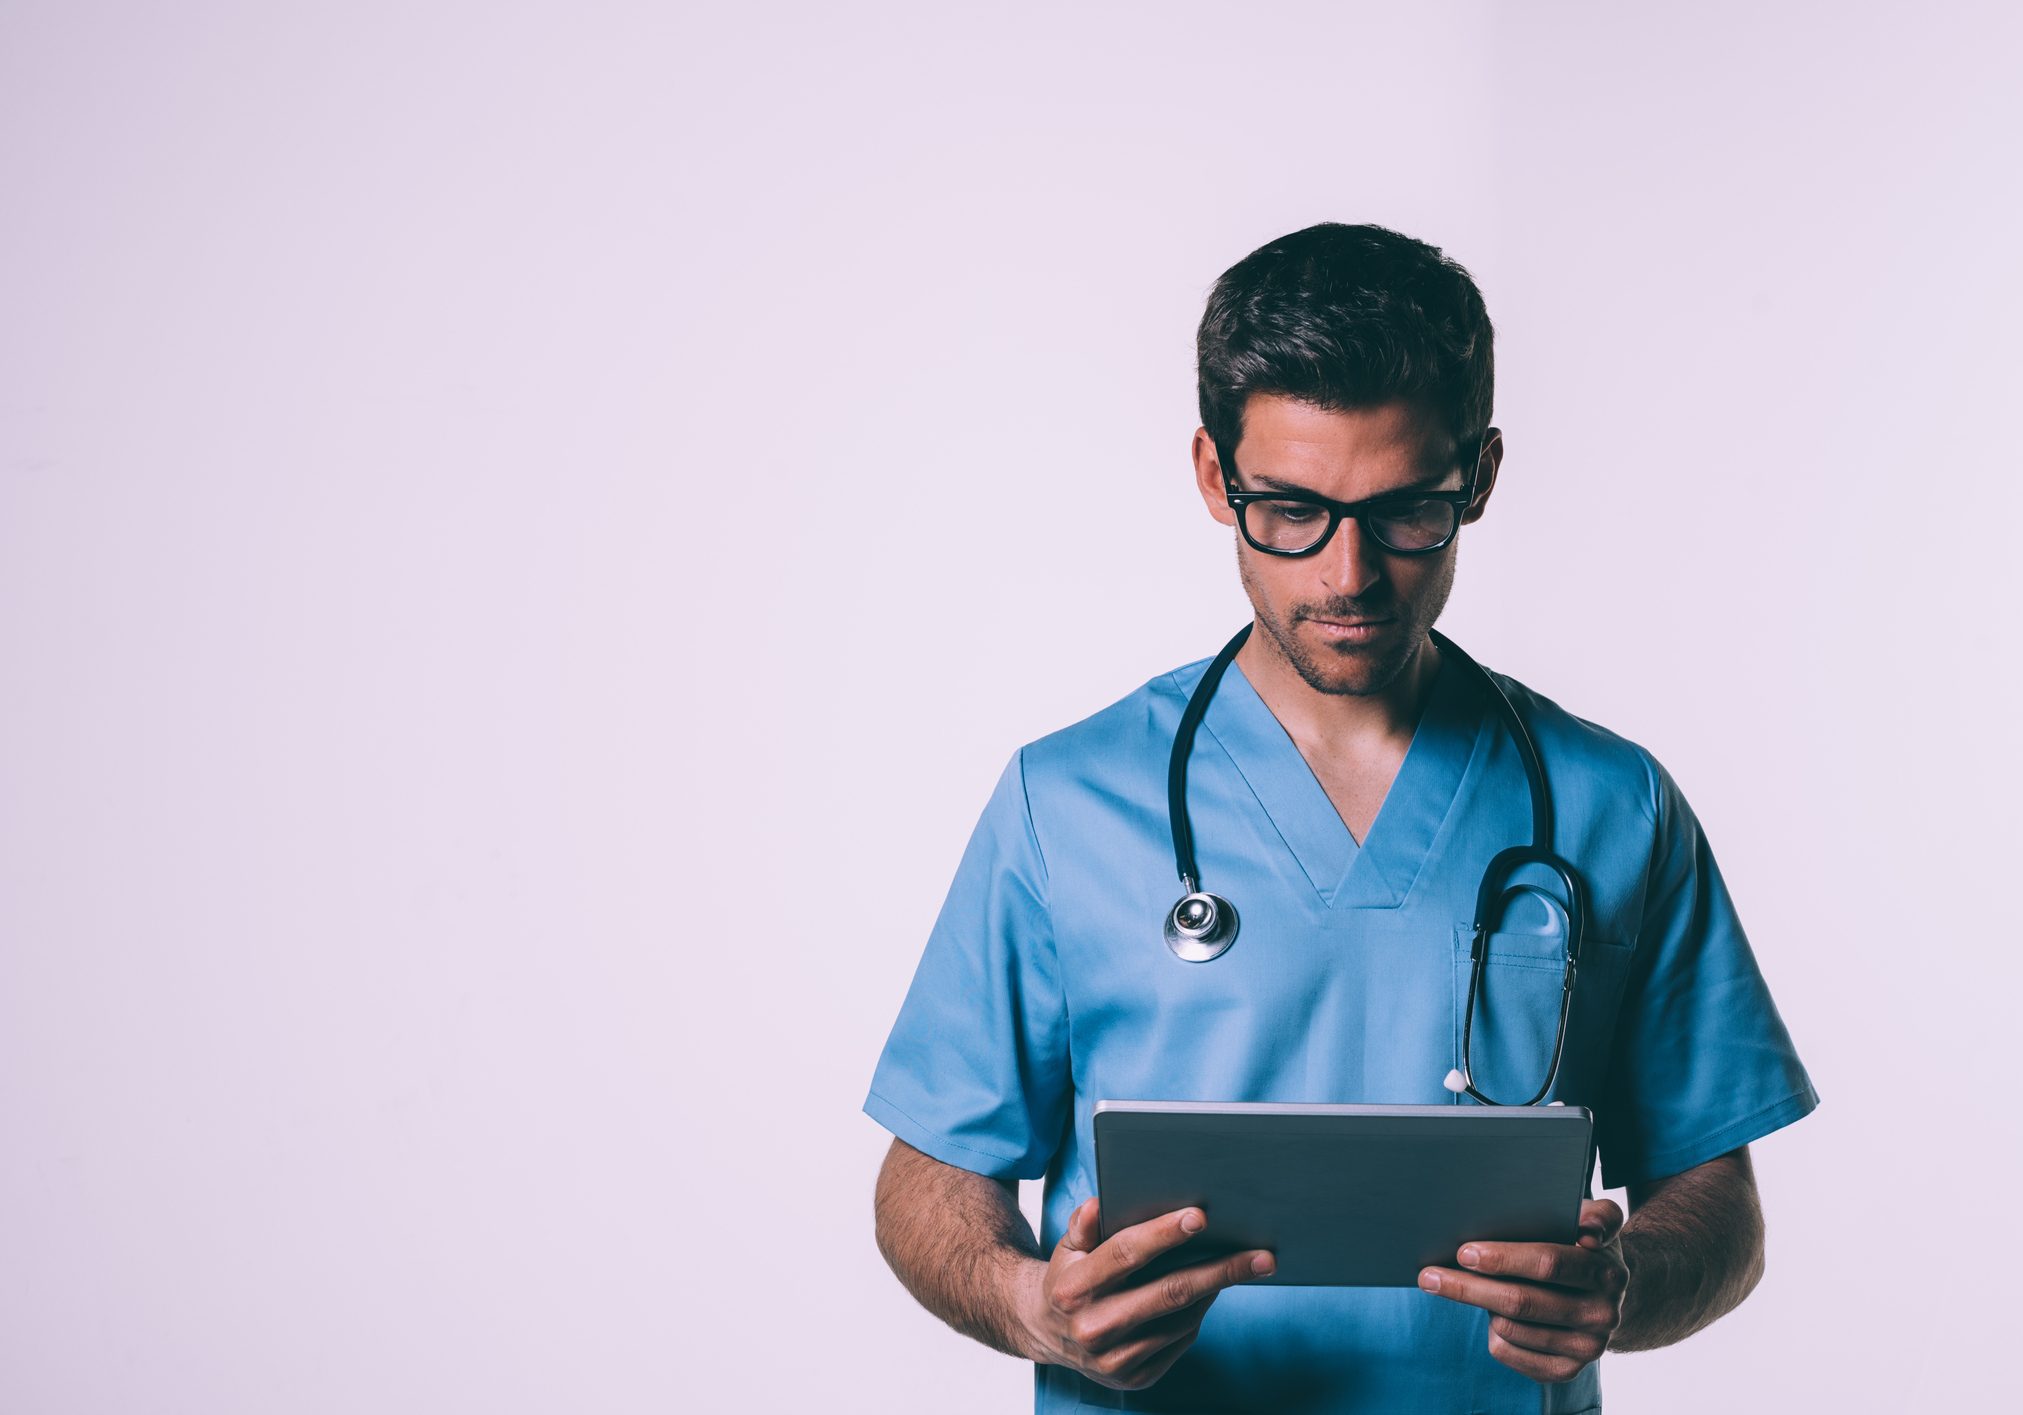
(1694, 1246)
(957, 1241)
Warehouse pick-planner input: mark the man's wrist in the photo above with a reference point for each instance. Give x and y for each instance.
(1662, 1302)
(1024, 1291)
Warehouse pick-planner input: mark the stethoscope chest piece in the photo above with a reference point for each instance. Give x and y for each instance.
(1201, 926)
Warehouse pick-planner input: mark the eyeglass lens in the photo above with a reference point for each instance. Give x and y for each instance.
(1407, 525)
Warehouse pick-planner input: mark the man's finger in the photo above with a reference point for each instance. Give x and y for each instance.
(1129, 1249)
(1520, 1301)
(1160, 1364)
(1184, 1286)
(1564, 1264)
(1120, 1352)
(1082, 1227)
(1551, 1341)
(1124, 1311)
(1601, 1217)
(1537, 1365)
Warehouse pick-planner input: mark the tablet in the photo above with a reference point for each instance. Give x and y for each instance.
(1344, 1195)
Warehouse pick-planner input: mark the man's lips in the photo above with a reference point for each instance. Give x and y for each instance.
(1349, 631)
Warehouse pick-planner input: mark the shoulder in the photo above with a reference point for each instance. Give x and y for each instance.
(1112, 761)
(1606, 762)
(1116, 736)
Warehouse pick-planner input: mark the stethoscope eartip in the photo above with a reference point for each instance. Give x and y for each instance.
(1456, 1082)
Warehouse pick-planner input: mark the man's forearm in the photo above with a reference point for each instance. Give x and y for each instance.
(1694, 1247)
(959, 1244)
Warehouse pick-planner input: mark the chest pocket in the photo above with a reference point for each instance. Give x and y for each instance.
(1517, 1013)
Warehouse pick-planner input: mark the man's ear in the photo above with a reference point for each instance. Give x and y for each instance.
(1208, 479)
(1486, 463)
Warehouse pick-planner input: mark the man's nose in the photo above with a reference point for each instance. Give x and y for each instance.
(1352, 563)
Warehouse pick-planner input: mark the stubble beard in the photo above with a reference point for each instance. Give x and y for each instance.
(1348, 671)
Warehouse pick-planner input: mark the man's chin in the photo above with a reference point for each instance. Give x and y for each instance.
(1345, 675)
(1351, 669)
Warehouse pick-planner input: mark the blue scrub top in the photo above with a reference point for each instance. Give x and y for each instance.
(1046, 986)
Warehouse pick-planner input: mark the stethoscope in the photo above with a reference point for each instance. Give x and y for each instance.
(1201, 926)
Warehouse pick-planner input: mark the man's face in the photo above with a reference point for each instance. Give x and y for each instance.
(1351, 616)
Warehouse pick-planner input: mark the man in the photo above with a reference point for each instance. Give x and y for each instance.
(1349, 782)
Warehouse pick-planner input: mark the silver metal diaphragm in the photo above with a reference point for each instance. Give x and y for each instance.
(1201, 926)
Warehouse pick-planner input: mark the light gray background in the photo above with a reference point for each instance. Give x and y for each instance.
(527, 533)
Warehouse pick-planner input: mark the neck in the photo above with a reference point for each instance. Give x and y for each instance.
(1343, 719)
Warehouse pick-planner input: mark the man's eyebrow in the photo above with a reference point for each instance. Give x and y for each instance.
(1425, 483)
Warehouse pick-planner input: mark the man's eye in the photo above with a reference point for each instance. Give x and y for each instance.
(1405, 510)
(1294, 512)
(1416, 512)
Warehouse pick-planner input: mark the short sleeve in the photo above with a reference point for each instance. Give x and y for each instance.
(975, 1072)
(1701, 1062)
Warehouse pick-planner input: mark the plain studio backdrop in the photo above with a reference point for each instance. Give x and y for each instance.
(528, 532)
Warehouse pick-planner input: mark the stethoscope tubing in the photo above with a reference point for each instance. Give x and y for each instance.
(1201, 926)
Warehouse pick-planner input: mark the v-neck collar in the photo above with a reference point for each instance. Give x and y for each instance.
(1380, 873)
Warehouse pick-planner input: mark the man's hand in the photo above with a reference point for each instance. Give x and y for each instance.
(1089, 1310)
(1555, 1304)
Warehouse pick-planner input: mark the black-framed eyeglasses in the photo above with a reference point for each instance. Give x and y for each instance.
(1301, 522)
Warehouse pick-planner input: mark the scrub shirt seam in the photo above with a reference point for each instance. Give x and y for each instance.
(1641, 958)
(1053, 943)
(1657, 797)
(1026, 800)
